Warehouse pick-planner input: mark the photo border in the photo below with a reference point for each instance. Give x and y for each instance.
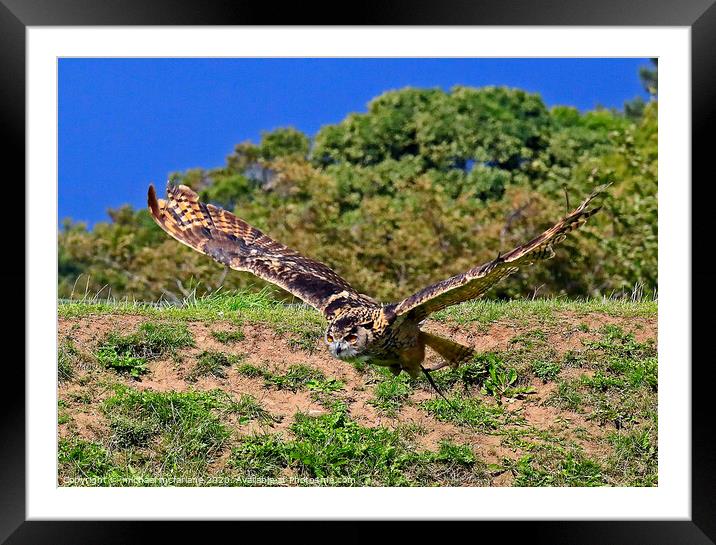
(700, 16)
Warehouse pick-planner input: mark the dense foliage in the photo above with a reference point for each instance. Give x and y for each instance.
(423, 185)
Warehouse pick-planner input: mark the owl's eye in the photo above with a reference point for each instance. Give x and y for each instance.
(352, 338)
(329, 338)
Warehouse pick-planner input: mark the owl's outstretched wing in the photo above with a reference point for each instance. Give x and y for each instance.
(231, 241)
(475, 282)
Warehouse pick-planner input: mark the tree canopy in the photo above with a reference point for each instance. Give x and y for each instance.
(424, 184)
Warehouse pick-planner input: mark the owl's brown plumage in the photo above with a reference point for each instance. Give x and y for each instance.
(475, 282)
(231, 241)
(358, 326)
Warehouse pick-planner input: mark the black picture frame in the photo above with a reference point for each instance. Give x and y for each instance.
(17, 15)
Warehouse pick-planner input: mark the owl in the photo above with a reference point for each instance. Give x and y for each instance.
(359, 327)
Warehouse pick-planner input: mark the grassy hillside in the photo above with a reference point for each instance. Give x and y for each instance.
(239, 390)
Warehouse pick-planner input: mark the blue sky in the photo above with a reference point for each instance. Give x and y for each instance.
(124, 123)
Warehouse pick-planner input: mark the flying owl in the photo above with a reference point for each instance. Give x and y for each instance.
(358, 325)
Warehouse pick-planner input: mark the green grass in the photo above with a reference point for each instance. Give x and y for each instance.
(622, 388)
(177, 434)
(485, 311)
(469, 411)
(82, 459)
(228, 337)
(546, 465)
(67, 355)
(123, 362)
(71, 359)
(248, 408)
(634, 461)
(391, 393)
(62, 416)
(130, 353)
(333, 450)
(245, 306)
(611, 380)
(238, 307)
(297, 377)
(212, 363)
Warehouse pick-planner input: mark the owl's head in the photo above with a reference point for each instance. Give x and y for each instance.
(348, 337)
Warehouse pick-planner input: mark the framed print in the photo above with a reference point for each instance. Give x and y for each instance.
(408, 157)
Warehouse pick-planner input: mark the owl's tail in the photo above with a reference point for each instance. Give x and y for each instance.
(453, 353)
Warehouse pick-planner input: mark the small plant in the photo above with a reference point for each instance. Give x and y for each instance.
(122, 362)
(530, 338)
(324, 386)
(69, 359)
(601, 382)
(228, 337)
(81, 458)
(251, 371)
(568, 395)
(130, 353)
(546, 370)
(262, 455)
(502, 383)
(555, 466)
(151, 340)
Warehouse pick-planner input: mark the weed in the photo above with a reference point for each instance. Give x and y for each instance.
(546, 370)
(469, 373)
(503, 383)
(151, 340)
(568, 395)
(450, 452)
(69, 359)
(529, 339)
(303, 340)
(81, 396)
(62, 416)
(122, 363)
(573, 358)
(332, 445)
(324, 386)
(66, 356)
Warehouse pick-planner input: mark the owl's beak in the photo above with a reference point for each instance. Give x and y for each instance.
(340, 349)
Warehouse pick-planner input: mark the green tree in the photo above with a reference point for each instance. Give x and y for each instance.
(423, 185)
